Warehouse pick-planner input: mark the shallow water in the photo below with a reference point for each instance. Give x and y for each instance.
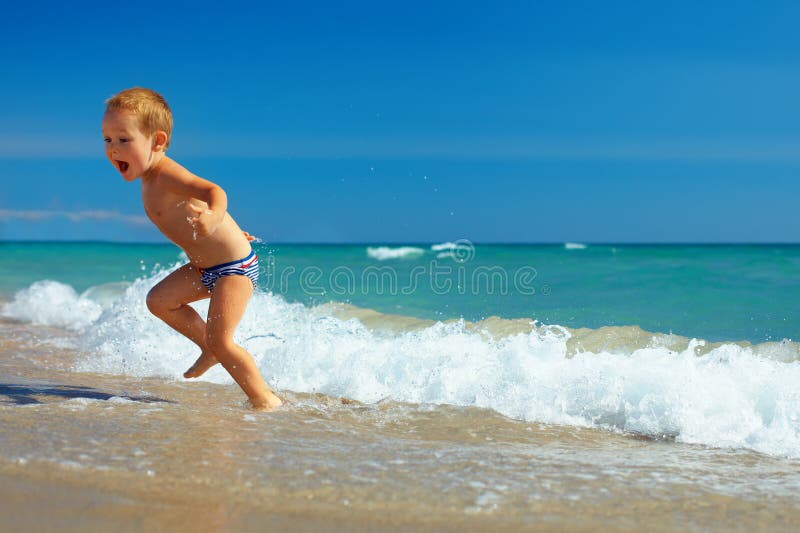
(417, 465)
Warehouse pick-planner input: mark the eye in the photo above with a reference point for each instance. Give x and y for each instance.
(107, 140)
(123, 140)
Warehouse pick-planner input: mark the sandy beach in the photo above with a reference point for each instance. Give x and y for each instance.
(84, 451)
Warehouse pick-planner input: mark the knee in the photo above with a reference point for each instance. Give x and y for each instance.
(157, 304)
(219, 344)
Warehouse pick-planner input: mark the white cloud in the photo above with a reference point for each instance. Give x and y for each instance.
(99, 215)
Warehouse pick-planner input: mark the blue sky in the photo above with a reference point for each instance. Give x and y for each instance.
(535, 121)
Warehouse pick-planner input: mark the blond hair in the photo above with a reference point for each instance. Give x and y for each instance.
(150, 108)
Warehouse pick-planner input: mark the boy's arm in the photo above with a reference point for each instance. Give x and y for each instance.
(188, 185)
(205, 221)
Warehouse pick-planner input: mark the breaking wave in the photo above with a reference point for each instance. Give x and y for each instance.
(621, 378)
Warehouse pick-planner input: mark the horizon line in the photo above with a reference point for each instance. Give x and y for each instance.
(423, 243)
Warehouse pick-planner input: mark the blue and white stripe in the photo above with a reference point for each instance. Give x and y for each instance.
(244, 267)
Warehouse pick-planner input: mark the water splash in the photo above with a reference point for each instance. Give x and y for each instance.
(732, 395)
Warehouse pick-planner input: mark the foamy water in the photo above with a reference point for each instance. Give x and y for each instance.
(732, 396)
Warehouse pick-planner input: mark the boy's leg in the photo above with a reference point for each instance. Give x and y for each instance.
(228, 303)
(169, 300)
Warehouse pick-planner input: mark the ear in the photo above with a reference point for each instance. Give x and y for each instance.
(160, 141)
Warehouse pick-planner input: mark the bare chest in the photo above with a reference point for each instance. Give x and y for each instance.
(159, 207)
(166, 210)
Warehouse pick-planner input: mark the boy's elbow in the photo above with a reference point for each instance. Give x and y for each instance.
(216, 198)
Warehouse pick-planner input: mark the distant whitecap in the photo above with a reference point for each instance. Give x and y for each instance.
(384, 253)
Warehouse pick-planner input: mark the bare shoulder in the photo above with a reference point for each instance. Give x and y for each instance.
(175, 178)
(170, 172)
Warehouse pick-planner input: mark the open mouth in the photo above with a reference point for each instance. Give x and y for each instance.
(123, 166)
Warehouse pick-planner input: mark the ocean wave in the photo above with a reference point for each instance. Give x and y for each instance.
(384, 253)
(50, 303)
(621, 378)
(445, 246)
(461, 251)
(574, 246)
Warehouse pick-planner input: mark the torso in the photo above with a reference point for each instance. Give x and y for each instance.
(170, 213)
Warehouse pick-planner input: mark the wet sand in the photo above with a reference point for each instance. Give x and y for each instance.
(90, 451)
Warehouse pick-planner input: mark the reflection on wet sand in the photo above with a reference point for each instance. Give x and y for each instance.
(24, 394)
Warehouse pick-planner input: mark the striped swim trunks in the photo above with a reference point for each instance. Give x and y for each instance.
(244, 267)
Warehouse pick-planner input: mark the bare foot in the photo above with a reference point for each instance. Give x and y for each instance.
(269, 402)
(203, 363)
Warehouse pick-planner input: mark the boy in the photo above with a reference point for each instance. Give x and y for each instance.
(192, 213)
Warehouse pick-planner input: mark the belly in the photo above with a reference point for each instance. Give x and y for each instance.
(226, 244)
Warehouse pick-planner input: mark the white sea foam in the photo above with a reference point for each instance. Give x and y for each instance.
(444, 247)
(461, 251)
(574, 246)
(50, 303)
(730, 397)
(383, 253)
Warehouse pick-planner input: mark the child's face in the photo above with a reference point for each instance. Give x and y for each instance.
(127, 148)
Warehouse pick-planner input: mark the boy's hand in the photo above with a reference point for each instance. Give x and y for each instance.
(249, 237)
(204, 221)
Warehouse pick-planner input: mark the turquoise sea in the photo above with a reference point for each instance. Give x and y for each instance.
(711, 292)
